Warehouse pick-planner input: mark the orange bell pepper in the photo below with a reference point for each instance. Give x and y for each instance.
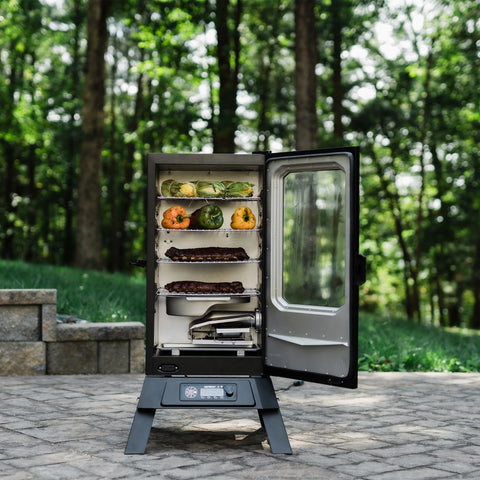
(175, 218)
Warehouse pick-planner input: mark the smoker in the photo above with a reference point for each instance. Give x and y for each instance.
(270, 291)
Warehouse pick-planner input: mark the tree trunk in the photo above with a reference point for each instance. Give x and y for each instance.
(7, 223)
(442, 262)
(455, 301)
(305, 78)
(475, 319)
(72, 143)
(410, 275)
(31, 192)
(228, 44)
(68, 197)
(302, 246)
(441, 307)
(126, 200)
(9, 153)
(113, 171)
(265, 94)
(336, 10)
(89, 238)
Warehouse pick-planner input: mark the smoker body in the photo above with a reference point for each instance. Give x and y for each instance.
(288, 307)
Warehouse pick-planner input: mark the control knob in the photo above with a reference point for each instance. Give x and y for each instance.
(229, 390)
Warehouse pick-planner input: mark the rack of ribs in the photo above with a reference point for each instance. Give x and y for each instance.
(207, 254)
(189, 286)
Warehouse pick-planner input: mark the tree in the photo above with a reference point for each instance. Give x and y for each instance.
(411, 103)
(305, 78)
(337, 107)
(89, 241)
(228, 54)
(267, 75)
(20, 25)
(420, 137)
(73, 81)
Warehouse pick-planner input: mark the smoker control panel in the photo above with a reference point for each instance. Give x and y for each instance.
(208, 392)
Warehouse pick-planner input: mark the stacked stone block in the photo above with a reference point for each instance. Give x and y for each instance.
(33, 343)
(27, 322)
(97, 348)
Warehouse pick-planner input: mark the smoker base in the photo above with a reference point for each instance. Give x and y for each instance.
(208, 392)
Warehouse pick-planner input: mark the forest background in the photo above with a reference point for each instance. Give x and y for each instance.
(87, 88)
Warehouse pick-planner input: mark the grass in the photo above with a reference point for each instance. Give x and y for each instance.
(392, 344)
(88, 295)
(385, 343)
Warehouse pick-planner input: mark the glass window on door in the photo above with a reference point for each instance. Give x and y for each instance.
(314, 243)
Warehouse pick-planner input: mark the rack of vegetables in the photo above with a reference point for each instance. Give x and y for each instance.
(204, 189)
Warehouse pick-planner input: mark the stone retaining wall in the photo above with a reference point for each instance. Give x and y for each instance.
(32, 342)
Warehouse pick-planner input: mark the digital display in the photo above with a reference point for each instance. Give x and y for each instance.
(211, 392)
(208, 392)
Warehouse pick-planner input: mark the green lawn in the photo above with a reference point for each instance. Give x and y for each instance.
(392, 344)
(385, 344)
(88, 295)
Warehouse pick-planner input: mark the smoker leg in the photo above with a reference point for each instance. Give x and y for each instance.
(272, 422)
(140, 431)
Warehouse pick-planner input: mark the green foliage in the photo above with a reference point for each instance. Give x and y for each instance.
(410, 99)
(389, 344)
(267, 68)
(420, 181)
(88, 295)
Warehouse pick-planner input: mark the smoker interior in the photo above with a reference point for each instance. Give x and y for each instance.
(220, 333)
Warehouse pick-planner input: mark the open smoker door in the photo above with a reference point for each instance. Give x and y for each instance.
(312, 267)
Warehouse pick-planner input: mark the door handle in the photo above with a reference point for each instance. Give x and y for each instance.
(360, 270)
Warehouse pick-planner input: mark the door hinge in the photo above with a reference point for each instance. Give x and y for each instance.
(138, 263)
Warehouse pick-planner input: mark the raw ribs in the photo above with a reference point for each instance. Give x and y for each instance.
(188, 286)
(207, 254)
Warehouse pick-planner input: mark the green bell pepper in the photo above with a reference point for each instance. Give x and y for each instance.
(209, 217)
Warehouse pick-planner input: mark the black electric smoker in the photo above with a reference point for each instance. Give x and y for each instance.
(272, 290)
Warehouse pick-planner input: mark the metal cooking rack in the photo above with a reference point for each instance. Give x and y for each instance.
(248, 292)
(221, 199)
(228, 230)
(208, 262)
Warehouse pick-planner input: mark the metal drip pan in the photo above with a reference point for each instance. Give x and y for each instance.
(198, 305)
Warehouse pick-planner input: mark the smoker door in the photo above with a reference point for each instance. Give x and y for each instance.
(312, 266)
